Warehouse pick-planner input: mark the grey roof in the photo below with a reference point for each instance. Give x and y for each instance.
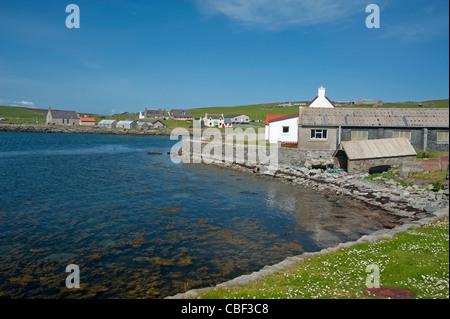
(58, 114)
(399, 117)
(389, 147)
(214, 116)
(124, 122)
(181, 113)
(107, 122)
(229, 116)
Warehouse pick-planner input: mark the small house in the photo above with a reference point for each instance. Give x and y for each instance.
(283, 129)
(111, 124)
(87, 121)
(181, 115)
(143, 125)
(129, 125)
(361, 156)
(58, 117)
(213, 120)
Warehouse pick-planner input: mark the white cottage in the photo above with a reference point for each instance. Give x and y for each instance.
(321, 100)
(283, 129)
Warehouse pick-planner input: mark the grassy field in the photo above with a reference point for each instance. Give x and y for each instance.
(417, 260)
(20, 115)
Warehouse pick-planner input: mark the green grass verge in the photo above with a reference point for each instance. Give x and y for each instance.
(417, 260)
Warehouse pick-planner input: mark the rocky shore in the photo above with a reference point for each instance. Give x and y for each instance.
(396, 207)
(78, 129)
(407, 203)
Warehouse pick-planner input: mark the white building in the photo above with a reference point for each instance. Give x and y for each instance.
(283, 129)
(321, 100)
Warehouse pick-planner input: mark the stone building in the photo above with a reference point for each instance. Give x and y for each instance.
(58, 117)
(364, 155)
(326, 128)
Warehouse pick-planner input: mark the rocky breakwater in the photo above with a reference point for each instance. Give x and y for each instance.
(404, 203)
(77, 129)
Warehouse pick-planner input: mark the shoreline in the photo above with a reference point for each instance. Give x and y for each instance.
(78, 130)
(393, 204)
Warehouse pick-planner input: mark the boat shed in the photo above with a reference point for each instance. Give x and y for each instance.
(130, 125)
(366, 156)
(107, 124)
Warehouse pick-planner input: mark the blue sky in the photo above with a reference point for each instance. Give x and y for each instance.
(128, 55)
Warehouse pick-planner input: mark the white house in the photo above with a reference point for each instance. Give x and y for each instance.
(283, 129)
(213, 120)
(321, 100)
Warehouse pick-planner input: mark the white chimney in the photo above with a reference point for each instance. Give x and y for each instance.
(321, 91)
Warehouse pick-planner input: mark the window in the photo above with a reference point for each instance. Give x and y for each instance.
(442, 136)
(319, 134)
(285, 129)
(406, 134)
(357, 135)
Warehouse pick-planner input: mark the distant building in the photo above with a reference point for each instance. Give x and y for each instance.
(111, 124)
(130, 125)
(321, 100)
(57, 117)
(154, 114)
(181, 115)
(368, 102)
(155, 123)
(285, 104)
(87, 121)
(213, 120)
(238, 118)
(143, 125)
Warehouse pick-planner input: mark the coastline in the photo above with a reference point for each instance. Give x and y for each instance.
(77, 129)
(392, 202)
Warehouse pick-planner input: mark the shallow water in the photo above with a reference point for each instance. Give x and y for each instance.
(140, 226)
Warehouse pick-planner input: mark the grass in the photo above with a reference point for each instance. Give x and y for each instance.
(429, 154)
(417, 260)
(22, 115)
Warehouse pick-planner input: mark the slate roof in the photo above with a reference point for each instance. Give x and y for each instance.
(58, 114)
(182, 113)
(389, 147)
(395, 117)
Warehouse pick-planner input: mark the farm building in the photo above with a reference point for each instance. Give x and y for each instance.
(87, 121)
(57, 117)
(325, 129)
(181, 115)
(283, 129)
(143, 125)
(364, 155)
(154, 123)
(154, 114)
(130, 125)
(237, 118)
(107, 124)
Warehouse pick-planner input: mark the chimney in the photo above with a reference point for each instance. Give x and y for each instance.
(321, 91)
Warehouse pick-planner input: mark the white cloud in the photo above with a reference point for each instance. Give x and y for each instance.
(24, 104)
(278, 14)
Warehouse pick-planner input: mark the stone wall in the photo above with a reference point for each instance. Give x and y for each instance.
(363, 165)
(435, 164)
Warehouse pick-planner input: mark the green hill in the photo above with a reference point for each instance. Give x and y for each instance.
(23, 115)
